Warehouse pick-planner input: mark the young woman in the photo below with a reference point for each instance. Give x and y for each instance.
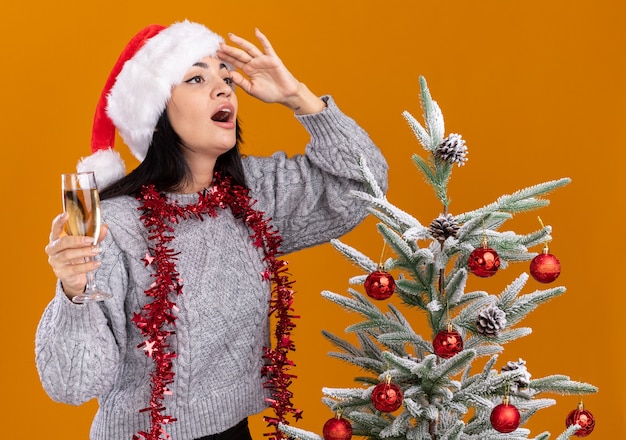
(192, 236)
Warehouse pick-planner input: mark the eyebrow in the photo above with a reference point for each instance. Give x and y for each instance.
(206, 66)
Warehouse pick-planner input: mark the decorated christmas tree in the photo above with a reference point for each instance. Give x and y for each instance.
(451, 383)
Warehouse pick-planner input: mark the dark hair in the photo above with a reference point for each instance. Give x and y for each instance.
(166, 168)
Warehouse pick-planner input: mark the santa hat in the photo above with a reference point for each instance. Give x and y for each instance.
(138, 89)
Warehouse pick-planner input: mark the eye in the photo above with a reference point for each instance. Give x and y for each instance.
(195, 80)
(229, 81)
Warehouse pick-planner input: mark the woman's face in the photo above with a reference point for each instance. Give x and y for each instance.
(203, 109)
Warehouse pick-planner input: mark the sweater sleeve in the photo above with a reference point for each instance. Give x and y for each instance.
(76, 346)
(308, 196)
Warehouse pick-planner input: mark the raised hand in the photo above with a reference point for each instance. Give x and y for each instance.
(263, 75)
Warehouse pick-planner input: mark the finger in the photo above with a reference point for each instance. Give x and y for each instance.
(265, 42)
(241, 81)
(57, 226)
(234, 56)
(81, 267)
(73, 276)
(66, 242)
(61, 254)
(66, 268)
(250, 48)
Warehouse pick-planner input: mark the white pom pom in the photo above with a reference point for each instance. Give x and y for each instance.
(107, 165)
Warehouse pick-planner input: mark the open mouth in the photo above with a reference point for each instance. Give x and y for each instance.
(223, 115)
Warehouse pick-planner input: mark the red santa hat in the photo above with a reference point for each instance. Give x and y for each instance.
(138, 89)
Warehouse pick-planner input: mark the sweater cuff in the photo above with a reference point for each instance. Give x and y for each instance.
(73, 319)
(327, 125)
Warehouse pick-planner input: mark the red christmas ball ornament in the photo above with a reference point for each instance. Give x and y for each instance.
(545, 267)
(380, 285)
(582, 418)
(387, 396)
(447, 343)
(337, 428)
(484, 261)
(505, 417)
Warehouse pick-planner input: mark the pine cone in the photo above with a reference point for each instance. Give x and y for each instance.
(452, 150)
(523, 382)
(490, 321)
(443, 227)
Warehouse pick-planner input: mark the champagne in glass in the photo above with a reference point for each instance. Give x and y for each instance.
(81, 201)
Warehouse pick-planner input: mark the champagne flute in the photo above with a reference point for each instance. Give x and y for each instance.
(81, 201)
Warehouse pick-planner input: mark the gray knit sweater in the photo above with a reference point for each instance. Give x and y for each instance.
(90, 351)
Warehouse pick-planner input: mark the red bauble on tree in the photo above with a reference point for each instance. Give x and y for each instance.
(582, 418)
(379, 285)
(545, 267)
(337, 428)
(447, 343)
(387, 396)
(484, 261)
(505, 417)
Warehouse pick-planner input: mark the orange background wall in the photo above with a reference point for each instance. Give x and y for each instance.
(537, 88)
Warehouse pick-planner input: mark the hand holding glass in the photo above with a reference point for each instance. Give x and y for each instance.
(81, 201)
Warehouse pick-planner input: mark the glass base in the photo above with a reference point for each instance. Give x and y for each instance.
(94, 296)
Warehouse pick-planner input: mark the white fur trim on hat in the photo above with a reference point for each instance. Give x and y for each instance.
(143, 87)
(107, 165)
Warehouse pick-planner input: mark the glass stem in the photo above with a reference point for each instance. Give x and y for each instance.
(91, 282)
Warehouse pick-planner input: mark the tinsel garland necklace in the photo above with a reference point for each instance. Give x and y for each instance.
(157, 319)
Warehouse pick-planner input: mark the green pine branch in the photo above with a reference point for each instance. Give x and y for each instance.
(520, 201)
